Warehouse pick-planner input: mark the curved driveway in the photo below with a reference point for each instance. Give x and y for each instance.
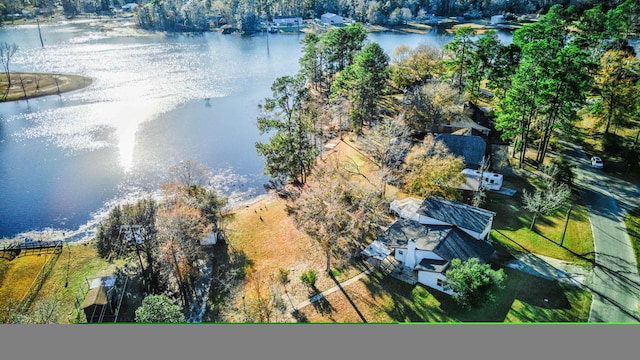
(615, 283)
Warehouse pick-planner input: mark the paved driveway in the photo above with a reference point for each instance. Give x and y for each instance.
(615, 283)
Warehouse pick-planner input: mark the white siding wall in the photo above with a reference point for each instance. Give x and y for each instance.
(430, 279)
(422, 254)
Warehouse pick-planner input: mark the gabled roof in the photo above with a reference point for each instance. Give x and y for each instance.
(461, 215)
(95, 296)
(471, 148)
(446, 241)
(466, 123)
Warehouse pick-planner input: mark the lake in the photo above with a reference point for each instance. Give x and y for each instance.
(156, 99)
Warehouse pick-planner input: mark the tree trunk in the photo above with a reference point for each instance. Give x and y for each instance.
(533, 221)
(328, 253)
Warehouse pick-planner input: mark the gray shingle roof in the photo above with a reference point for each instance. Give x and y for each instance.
(471, 148)
(438, 266)
(446, 241)
(459, 214)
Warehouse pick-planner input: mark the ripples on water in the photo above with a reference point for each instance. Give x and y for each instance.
(156, 99)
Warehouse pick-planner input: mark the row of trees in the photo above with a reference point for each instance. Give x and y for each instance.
(560, 68)
(168, 232)
(194, 15)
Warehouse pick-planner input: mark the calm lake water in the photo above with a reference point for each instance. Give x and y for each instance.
(156, 99)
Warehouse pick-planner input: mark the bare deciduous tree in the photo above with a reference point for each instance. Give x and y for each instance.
(388, 143)
(553, 195)
(6, 54)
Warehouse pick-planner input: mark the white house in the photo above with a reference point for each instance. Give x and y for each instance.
(445, 230)
(497, 19)
(286, 21)
(472, 220)
(333, 19)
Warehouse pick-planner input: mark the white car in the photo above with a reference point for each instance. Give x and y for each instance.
(596, 162)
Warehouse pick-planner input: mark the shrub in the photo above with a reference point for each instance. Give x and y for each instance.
(309, 277)
(473, 282)
(283, 276)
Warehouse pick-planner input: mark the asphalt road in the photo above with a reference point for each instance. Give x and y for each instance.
(615, 283)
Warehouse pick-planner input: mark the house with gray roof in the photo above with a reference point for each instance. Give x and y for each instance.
(471, 148)
(422, 250)
(473, 220)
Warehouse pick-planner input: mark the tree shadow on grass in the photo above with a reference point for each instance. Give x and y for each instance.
(299, 317)
(134, 292)
(323, 306)
(229, 267)
(348, 298)
(534, 292)
(418, 303)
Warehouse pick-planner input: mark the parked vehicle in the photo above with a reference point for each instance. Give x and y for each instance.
(596, 162)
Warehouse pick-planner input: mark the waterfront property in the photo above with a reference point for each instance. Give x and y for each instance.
(420, 245)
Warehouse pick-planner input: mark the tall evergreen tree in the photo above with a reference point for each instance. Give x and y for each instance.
(290, 152)
(363, 83)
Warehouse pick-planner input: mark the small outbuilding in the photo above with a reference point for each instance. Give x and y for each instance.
(101, 300)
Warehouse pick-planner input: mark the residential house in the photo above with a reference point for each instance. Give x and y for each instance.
(465, 126)
(428, 235)
(333, 19)
(472, 149)
(497, 19)
(287, 21)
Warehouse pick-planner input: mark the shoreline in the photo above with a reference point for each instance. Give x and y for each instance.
(30, 85)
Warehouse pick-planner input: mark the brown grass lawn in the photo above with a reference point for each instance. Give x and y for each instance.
(84, 264)
(18, 276)
(268, 237)
(39, 84)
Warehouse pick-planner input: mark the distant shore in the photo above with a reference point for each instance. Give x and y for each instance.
(25, 86)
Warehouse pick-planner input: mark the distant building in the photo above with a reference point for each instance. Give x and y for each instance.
(333, 19)
(497, 19)
(287, 21)
(129, 7)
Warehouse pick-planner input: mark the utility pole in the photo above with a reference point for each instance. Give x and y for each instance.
(39, 32)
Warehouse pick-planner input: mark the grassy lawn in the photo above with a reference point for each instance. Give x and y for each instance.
(632, 222)
(380, 299)
(511, 226)
(84, 264)
(18, 276)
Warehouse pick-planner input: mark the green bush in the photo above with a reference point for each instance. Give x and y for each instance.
(309, 277)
